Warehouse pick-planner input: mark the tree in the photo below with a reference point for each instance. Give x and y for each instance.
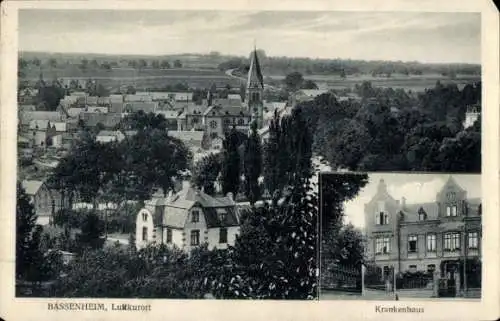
(48, 97)
(36, 62)
(206, 171)
(231, 163)
(253, 165)
(155, 64)
(92, 231)
(243, 90)
(177, 63)
(28, 235)
(142, 64)
(102, 91)
(131, 90)
(165, 64)
(53, 62)
(335, 190)
(294, 81)
(275, 254)
(309, 84)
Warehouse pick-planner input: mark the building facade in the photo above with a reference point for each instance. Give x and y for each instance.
(188, 219)
(436, 237)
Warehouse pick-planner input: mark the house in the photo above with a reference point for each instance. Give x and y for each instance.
(187, 219)
(137, 98)
(108, 121)
(133, 107)
(46, 202)
(27, 116)
(472, 114)
(22, 108)
(193, 139)
(191, 117)
(219, 119)
(44, 134)
(432, 237)
(75, 112)
(96, 109)
(107, 136)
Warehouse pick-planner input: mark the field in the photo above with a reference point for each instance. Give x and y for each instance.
(141, 79)
(413, 83)
(148, 78)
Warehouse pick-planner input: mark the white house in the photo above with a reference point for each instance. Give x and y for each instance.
(107, 136)
(188, 219)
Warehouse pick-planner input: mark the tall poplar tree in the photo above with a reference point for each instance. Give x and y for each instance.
(253, 165)
(231, 163)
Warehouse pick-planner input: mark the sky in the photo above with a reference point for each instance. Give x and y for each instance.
(416, 188)
(406, 36)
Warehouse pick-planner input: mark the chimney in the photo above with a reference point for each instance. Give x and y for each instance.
(230, 196)
(403, 202)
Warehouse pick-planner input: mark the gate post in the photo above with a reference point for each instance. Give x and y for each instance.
(435, 284)
(362, 280)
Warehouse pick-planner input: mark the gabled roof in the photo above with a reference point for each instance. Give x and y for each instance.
(169, 114)
(31, 187)
(109, 120)
(28, 116)
(147, 107)
(226, 111)
(137, 98)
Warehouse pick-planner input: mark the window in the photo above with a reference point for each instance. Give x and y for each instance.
(144, 217)
(223, 235)
(169, 235)
(195, 237)
(382, 245)
(473, 240)
(387, 271)
(144, 233)
(213, 124)
(452, 241)
(195, 216)
(227, 121)
(451, 210)
(53, 206)
(222, 214)
(412, 243)
(382, 218)
(241, 122)
(422, 216)
(431, 242)
(431, 268)
(412, 268)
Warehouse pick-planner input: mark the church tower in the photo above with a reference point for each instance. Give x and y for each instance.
(255, 90)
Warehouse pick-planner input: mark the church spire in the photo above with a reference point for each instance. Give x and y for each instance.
(255, 78)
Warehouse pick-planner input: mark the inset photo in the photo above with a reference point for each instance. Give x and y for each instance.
(396, 236)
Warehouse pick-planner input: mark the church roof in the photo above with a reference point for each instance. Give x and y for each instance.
(255, 77)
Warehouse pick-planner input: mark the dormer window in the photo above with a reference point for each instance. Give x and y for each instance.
(422, 215)
(382, 218)
(195, 216)
(222, 215)
(144, 217)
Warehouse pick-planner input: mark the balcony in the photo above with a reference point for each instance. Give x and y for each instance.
(452, 253)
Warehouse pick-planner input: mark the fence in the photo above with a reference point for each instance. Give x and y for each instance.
(341, 278)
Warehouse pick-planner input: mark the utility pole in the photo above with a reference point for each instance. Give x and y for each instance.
(363, 279)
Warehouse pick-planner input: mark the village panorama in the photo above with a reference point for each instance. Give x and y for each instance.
(196, 175)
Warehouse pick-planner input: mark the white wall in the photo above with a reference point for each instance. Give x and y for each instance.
(139, 224)
(213, 237)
